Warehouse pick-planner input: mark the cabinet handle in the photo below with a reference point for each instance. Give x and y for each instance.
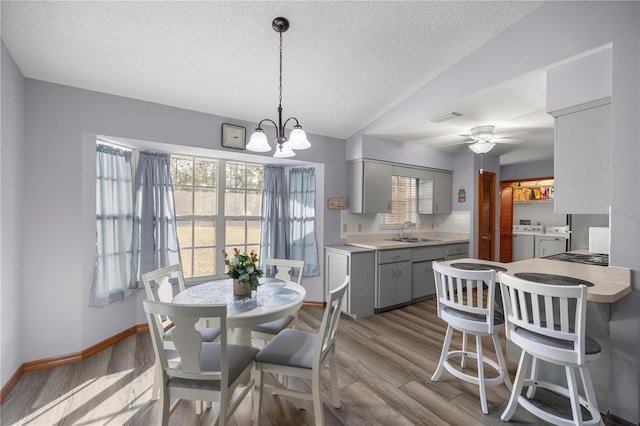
(389, 205)
(436, 206)
(396, 257)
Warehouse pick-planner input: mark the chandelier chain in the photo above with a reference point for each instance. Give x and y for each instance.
(280, 100)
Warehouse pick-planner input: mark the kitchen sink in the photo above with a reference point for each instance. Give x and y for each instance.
(414, 240)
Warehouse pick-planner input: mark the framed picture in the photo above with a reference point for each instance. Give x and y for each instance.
(337, 203)
(233, 136)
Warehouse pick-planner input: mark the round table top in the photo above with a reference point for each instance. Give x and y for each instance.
(274, 298)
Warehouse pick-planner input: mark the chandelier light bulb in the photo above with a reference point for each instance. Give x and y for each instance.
(298, 139)
(283, 151)
(258, 142)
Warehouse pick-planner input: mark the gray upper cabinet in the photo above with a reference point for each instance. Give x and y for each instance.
(369, 187)
(434, 193)
(582, 160)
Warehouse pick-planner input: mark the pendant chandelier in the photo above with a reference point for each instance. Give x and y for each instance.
(297, 138)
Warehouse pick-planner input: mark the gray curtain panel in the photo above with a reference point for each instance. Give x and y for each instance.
(275, 218)
(114, 225)
(302, 214)
(155, 239)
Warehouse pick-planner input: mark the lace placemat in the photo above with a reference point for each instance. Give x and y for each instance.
(270, 293)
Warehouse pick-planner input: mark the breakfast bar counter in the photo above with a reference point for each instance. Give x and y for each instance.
(610, 283)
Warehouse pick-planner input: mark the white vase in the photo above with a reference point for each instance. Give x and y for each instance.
(241, 288)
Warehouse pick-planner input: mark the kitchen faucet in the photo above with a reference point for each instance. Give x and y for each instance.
(407, 223)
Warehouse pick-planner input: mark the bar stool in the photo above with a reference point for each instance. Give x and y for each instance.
(540, 319)
(470, 315)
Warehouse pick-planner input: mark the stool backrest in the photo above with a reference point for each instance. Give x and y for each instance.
(547, 321)
(463, 300)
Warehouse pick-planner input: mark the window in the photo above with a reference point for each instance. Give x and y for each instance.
(195, 188)
(201, 185)
(243, 205)
(403, 201)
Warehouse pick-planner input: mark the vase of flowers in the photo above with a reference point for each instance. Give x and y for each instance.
(243, 268)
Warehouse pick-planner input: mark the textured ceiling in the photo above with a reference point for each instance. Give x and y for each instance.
(345, 63)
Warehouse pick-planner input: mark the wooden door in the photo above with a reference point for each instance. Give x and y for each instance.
(486, 215)
(506, 222)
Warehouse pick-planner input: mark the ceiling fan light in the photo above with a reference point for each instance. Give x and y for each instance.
(258, 142)
(298, 139)
(283, 151)
(482, 147)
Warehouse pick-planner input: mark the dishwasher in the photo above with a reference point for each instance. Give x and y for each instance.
(524, 241)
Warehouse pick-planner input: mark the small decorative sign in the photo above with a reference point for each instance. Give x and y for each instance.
(462, 195)
(337, 203)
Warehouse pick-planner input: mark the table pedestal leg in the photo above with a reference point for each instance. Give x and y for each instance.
(240, 336)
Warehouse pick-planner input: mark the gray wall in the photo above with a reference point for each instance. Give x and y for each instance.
(11, 202)
(550, 34)
(535, 169)
(60, 204)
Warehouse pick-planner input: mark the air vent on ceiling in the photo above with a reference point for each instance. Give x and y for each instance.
(447, 116)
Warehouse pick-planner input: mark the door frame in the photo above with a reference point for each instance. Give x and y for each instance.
(492, 214)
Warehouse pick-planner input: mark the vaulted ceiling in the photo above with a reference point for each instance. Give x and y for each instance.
(344, 63)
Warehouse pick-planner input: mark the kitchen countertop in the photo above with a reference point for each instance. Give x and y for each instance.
(610, 283)
(381, 241)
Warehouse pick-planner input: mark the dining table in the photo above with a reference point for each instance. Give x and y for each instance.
(274, 299)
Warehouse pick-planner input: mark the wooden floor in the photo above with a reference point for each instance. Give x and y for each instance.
(385, 363)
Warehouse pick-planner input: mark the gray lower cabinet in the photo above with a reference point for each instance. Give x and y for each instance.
(359, 264)
(394, 278)
(457, 251)
(423, 283)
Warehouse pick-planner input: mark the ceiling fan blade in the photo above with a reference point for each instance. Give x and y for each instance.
(507, 141)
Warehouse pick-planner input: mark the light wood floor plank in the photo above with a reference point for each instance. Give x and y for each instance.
(385, 364)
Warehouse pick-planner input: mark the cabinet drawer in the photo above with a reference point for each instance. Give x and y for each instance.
(388, 256)
(461, 248)
(419, 254)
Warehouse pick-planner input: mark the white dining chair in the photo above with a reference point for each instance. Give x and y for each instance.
(164, 292)
(467, 306)
(205, 371)
(288, 270)
(548, 323)
(296, 353)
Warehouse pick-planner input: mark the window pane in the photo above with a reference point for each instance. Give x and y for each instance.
(184, 234)
(205, 233)
(254, 203)
(403, 201)
(185, 257)
(234, 232)
(253, 232)
(205, 202)
(234, 202)
(255, 177)
(204, 262)
(235, 177)
(184, 200)
(181, 170)
(205, 173)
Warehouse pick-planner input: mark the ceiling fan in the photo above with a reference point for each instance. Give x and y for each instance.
(483, 139)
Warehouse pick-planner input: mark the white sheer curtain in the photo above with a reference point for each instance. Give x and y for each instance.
(275, 218)
(155, 238)
(114, 223)
(302, 214)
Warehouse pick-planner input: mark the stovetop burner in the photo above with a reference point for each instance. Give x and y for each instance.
(587, 259)
(551, 279)
(469, 266)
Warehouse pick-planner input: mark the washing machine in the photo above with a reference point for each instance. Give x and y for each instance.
(553, 241)
(524, 241)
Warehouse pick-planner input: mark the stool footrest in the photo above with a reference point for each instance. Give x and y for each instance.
(494, 381)
(557, 420)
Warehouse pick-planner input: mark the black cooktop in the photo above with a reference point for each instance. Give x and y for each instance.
(551, 279)
(477, 267)
(587, 259)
